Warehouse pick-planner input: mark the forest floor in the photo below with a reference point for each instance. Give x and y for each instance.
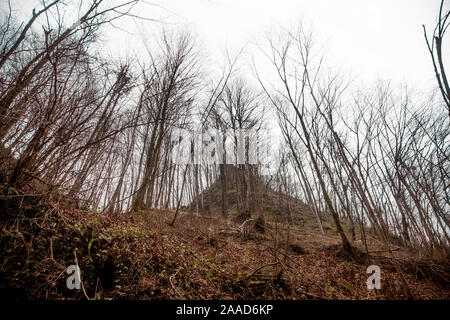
(141, 256)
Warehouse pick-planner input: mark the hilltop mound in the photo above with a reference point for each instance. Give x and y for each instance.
(263, 199)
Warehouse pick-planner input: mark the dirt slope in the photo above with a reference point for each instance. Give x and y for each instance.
(140, 256)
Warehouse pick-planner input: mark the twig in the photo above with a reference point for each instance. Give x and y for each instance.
(241, 227)
(171, 280)
(78, 268)
(266, 265)
(310, 295)
(388, 250)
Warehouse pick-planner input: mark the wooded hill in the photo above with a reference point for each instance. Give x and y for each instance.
(203, 255)
(88, 176)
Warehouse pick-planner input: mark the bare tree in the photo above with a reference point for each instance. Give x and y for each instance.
(297, 92)
(435, 49)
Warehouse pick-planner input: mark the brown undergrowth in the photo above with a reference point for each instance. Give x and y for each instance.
(140, 256)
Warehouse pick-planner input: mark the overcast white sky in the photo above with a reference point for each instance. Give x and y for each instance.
(368, 39)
